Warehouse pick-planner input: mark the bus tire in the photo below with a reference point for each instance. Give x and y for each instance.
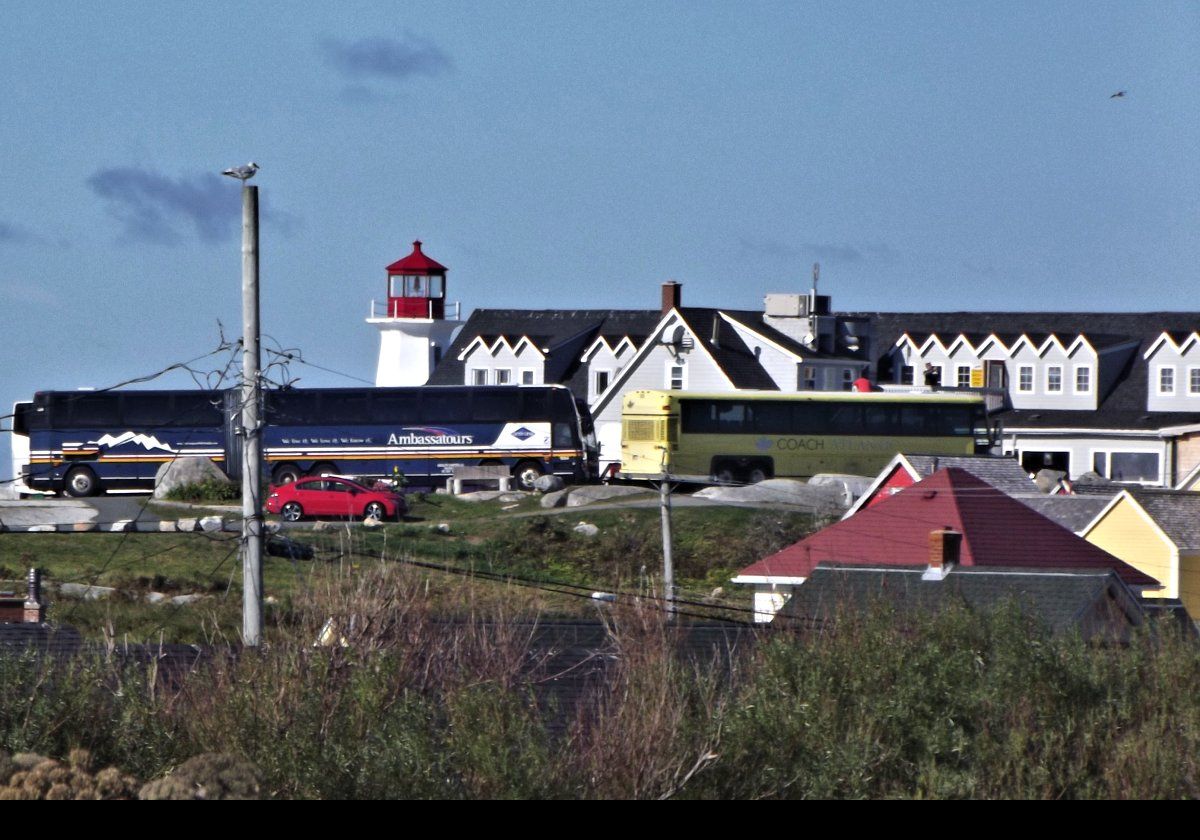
(324, 468)
(286, 474)
(724, 472)
(760, 471)
(291, 512)
(80, 482)
(527, 473)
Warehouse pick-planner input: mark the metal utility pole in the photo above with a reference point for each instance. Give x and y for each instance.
(252, 518)
(664, 505)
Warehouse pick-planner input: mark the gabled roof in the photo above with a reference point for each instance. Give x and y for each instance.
(997, 531)
(1005, 474)
(1176, 512)
(564, 332)
(1123, 406)
(1092, 601)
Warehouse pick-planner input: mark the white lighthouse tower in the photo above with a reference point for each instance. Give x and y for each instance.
(414, 332)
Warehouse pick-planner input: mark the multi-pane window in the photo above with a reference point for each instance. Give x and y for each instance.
(479, 376)
(906, 375)
(1054, 379)
(601, 381)
(675, 377)
(1166, 380)
(1194, 381)
(808, 378)
(503, 376)
(1083, 380)
(963, 376)
(526, 377)
(847, 379)
(1127, 466)
(1025, 379)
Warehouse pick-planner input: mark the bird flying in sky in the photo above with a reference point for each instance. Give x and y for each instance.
(242, 173)
(1118, 95)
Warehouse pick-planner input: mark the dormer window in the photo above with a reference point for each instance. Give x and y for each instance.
(1025, 379)
(1166, 381)
(1194, 381)
(1083, 379)
(1054, 379)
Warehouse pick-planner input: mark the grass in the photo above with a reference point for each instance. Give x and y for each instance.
(710, 544)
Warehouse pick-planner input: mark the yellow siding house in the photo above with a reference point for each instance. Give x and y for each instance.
(1156, 532)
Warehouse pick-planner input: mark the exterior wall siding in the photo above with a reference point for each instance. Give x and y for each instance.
(1181, 365)
(1126, 532)
(1082, 449)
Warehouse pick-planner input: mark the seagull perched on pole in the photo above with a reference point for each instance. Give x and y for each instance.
(242, 173)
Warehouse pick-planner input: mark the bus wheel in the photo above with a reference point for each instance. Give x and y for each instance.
(286, 474)
(527, 473)
(759, 472)
(724, 472)
(81, 481)
(324, 468)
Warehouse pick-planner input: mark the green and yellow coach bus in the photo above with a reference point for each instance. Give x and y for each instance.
(751, 436)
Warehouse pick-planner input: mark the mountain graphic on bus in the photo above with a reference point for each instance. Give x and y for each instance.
(147, 442)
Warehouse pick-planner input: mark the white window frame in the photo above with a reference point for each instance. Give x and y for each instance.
(1193, 381)
(1075, 379)
(607, 373)
(668, 376)
(958, 376)
(848, 378)
(1167, 371)
(806, 377)
(528, 376)
(474, 375)
(1050, 369)
(1021, 369)
(503, 376)
(1109, 451)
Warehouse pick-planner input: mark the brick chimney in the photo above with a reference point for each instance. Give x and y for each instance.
(944, 545)
(672, 296)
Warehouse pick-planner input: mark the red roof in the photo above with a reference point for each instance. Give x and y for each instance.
(997, 531)
(416, 263)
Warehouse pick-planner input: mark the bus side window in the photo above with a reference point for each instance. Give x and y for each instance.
(562, 436)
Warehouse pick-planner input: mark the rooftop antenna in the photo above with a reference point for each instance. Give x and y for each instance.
(812, 304)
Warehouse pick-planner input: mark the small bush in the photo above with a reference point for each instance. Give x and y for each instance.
(209, 491)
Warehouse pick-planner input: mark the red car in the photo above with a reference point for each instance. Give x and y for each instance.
(329, 496)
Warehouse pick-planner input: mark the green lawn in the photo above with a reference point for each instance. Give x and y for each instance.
(490, 539)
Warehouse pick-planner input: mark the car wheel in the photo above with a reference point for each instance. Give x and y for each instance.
(291, 512)
(81, 481)
(527, 473)
(375, 510)
(287, 474)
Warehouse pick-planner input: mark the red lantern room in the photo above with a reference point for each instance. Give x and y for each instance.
(416, 287)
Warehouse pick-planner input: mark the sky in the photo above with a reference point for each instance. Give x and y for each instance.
(931, 156)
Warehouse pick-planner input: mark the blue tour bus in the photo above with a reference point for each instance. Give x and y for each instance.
(81, 443)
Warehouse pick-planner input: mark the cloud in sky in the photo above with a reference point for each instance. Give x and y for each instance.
(386, 58)
(830, 252)
(14, 234)
(153, 207)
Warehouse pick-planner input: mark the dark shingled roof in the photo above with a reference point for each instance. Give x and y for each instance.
(1123, 407)
(565, 332)
(1177, 512)
(1005, 474)
(1094, 602)
(1072, 512)
(997, 531)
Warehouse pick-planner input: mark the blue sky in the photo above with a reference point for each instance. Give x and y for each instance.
(929, 155)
